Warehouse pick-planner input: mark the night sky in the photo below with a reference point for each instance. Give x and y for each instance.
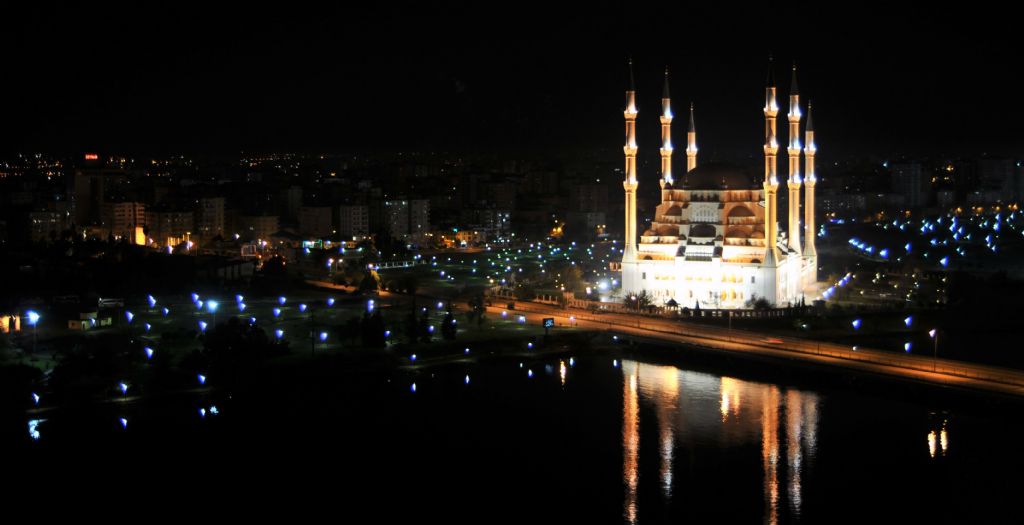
(185, 78)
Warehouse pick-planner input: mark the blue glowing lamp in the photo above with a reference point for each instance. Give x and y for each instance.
(152, 300)
(281, 300)
(323, 336)
(201, 378)
(909, 321)
(129, 316)
(330, 301)
(202, 326)
(279, 333)
(33, 317)
(277, 312)
(302, 307)
(149, 353)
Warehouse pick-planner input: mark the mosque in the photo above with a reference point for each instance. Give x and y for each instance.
(714, 239)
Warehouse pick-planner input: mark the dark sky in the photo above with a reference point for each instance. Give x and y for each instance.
(191, 77)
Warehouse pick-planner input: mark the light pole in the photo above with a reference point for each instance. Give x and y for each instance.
(212, 305)
(934, 334)
(33, 319)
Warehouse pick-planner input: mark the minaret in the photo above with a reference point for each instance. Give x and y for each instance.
(793, 183)
(810, 253)
(771, 181)
(630, 184)
(666, 135)
(691, 144)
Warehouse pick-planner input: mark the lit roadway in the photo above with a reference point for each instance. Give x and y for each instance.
(919, 368)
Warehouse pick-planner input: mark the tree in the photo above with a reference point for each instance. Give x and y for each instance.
(423, 328)
(448, 329)
(641, 300)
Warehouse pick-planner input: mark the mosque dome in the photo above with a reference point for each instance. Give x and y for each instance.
(719, 176)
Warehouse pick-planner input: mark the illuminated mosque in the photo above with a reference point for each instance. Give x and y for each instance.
(714, 239)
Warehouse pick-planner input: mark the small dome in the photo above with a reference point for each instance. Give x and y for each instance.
(666, 230)
(740, 211)
(674, 211)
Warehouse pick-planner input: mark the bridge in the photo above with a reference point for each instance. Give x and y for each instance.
(904, 366)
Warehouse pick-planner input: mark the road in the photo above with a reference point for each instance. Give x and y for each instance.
(912, 367)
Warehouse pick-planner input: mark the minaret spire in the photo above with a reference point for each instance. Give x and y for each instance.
(691, 143)
(630, 183)
(771, 182)
(810, 253)
(794, 180)
(666, 135)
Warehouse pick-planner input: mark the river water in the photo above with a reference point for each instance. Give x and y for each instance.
(589, 438)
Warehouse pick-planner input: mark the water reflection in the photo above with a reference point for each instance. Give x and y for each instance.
(630, 442)
(693, 408)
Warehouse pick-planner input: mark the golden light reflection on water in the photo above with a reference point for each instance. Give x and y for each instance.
(693, 407)
(630, 440)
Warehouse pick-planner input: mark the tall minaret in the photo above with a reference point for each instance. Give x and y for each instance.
(691, 144)
(810, 253)
(666, 135)
(771, 181)
(793, 183)
(630, 184)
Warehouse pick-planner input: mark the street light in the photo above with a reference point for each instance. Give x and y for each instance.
(934, 334)
(212, 305)
(33, 319)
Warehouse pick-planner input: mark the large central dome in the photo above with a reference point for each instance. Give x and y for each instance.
(719, 176)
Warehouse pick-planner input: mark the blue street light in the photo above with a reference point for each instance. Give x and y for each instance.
(909, 321)
(166, 311)
(129, 316)
(147, 326)
(149, 352)
(202, 326)
(277, 312)
(212, 305)
(239, 298)
(195, 297)
(281, 300)
(323, 336)
(201, 378)
(124, 388)
(124, 423)
(279, 333)
(152, 300)
(330, 301)
(241, 307)
(302, 307)
(33, 317)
